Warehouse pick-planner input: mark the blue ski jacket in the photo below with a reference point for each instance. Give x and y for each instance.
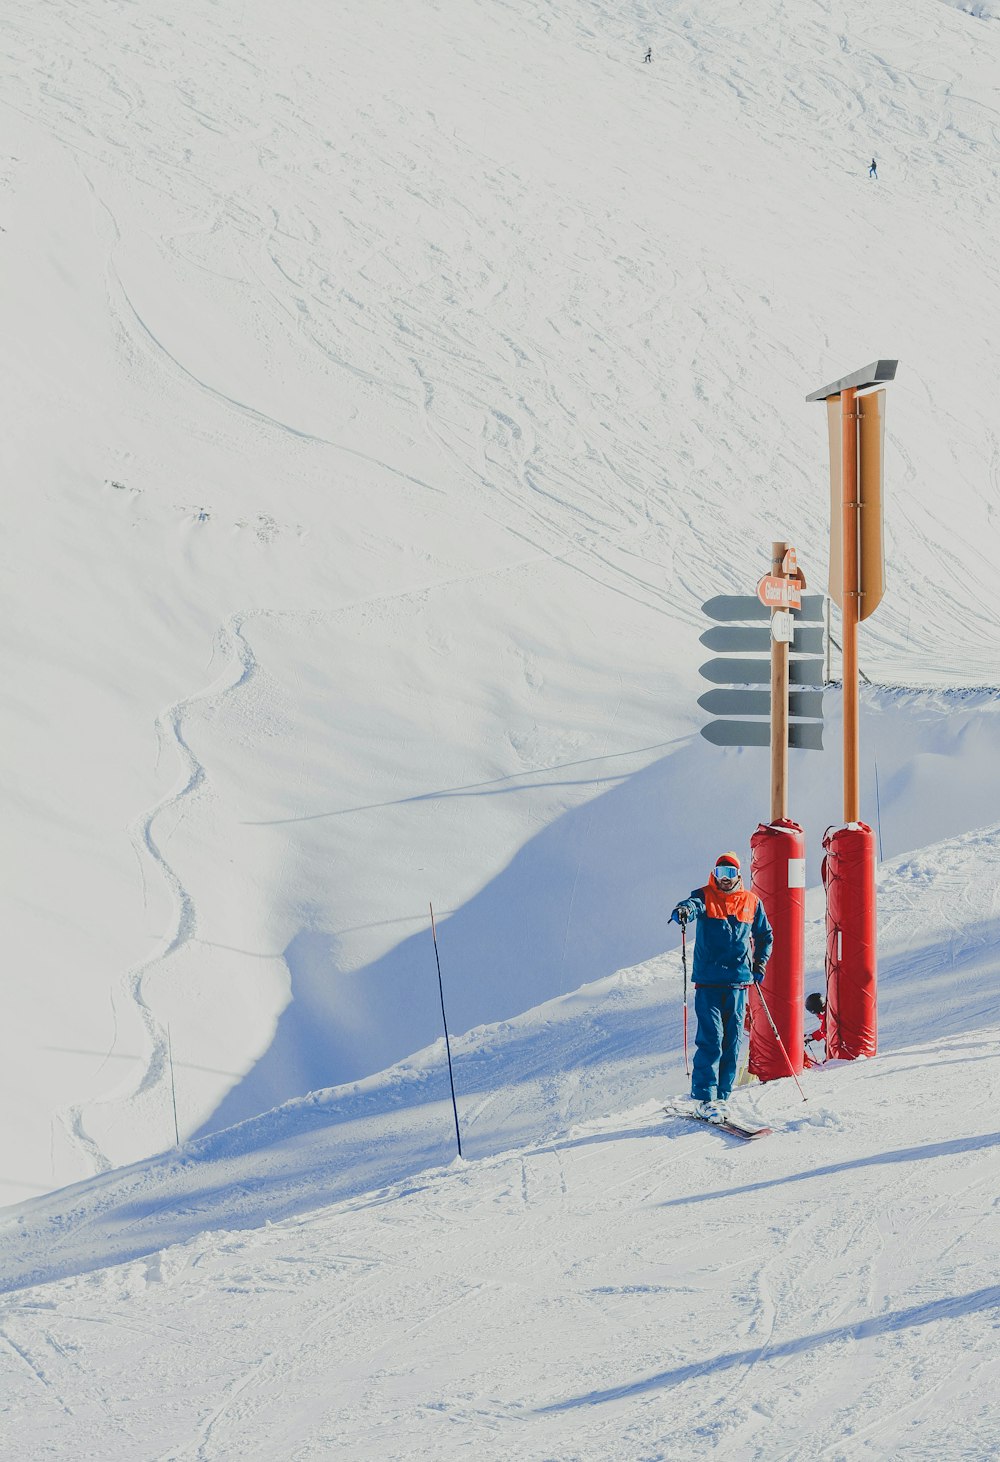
(733, 937)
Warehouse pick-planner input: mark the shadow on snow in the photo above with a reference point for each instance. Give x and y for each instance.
(895, 1320)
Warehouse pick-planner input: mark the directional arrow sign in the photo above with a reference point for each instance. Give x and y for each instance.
(733, 608)
(751, 637)
(729, 671)
(802, 735)
(732, 701)
(777, 593)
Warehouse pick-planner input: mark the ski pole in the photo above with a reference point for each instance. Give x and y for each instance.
(774, 1029)
(684, 962)
(447, 1042)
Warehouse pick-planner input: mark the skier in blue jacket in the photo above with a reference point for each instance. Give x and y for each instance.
(732, 943)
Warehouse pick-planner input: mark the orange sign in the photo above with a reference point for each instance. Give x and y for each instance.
(775, 593)
(789, 564)
(871, 453)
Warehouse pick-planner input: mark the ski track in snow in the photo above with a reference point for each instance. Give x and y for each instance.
(232, 644)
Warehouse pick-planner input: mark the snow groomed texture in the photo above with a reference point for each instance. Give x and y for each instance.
(777, 870)
(849, 879)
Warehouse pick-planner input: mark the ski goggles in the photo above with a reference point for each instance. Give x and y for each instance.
(726, 870)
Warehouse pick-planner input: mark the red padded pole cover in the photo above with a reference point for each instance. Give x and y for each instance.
(851, 966)
(778, 874)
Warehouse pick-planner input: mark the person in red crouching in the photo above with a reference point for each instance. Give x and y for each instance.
(816, 1005)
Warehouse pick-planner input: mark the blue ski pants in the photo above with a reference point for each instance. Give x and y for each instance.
(720, 1010)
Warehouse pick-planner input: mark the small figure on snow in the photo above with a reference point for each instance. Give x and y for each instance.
(649, 54)
(873, 170)
(731, 948)
(816, 1005)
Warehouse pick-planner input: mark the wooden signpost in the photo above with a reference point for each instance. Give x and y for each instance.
(781, 591)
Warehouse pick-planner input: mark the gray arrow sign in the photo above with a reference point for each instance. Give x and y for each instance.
(803, 735)
(727, 671)
(727, 701)
(749, 637)
(732, 608)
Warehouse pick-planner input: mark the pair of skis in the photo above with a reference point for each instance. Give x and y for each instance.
(724, 1124)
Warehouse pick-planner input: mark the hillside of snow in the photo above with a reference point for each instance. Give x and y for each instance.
(592, 1279)
(386, 389)
(595, 1279)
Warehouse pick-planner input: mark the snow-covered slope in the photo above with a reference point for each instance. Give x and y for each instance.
(594, 1280)
(635, 1290)
(610, 1045)
(386, 387)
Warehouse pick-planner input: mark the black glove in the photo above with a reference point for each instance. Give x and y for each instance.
(681, 915)
(759, 971)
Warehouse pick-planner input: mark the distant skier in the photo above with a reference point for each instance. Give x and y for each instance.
(816, 1005)
(873, 170)
(732, 944)
(649, 54)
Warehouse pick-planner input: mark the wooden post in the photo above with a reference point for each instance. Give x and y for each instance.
(850, 608)
(779, 704)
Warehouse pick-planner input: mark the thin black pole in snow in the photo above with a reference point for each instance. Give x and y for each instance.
(447, 1041)
(173, 1088)
(878, 809)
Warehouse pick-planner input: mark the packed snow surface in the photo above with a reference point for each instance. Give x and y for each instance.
(386, 388)
(595, 1279)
